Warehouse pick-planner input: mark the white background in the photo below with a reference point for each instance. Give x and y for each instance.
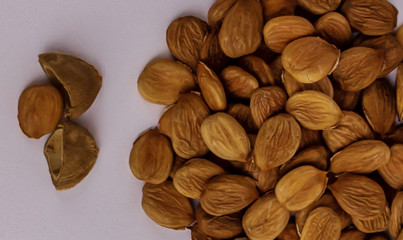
(119, 38)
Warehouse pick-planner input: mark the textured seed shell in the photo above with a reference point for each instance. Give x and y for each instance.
(316, 156)
(211, 88)
(399, 35)
(375, 224)
(237, 82)
(396, 218)
(346, 100)
(334, 28)
(187, 117)
(71, 152)
(351, 128)
(276, 8)
(211, 53)
(166, 206)
(222, 227)
(276, 66)
(391, 172)
(241, 29)
(391, 49)
(258, 68)
(265, 102)
(352, 233)
(80, 80)
(358, 68)
(198, 234)
(225, 137)
(265, 218)
(310, 59)
(40, 110)
(277, 141)
(177, 164)
(265, 180)
(162, 81)
(151, 157)
(243, 114)
(327, 200)
(190, 179)
(361, 157)
(185, 36)
(218, 11)
(280, 31)
(164, 122)
(314, 110)
(394, 137)
(379, 106)
(289, 233)
(301, 187)
(322, 223)
(359, 196)
(226, 194)
(370, 17)
(399, 92)
(292, 86)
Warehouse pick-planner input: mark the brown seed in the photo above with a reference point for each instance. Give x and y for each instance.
(379, 106)
(346, 100)
(319, 7)
(314, 110)
(243, 114)
(166, 206)
(289, 233)
(258, 68)
(358, 68)
(399, 35)
(322, 223)
(151, 157)
(361, 157)
(396, 217)
(198, 234)
(40, 110)
(374, 224)
(280, 31)
(327, 200)
(350, 234)
(310, 59)
(190, 179)
(218, 11)
(226, 194)
(316, 156)
(225, 137)
(187, 117)
(222, 227)
(237, 82)
(165, 120)
(241, 29)
(399, 92)
(371, 17)
(276, 8)
(80, 81)
(211, 88)
(265, 180)
(185, 38)
(351, 128)
(71, 153)
(292, 86)
(162, 81)
(334, 28)
(309, 138)
(211, 53)
(391, 49)
(177, 164)
(265, 102)
(391, 172)
(358, 195)
(265, 218)
(277, 141)
(394, 137)
(301, 187)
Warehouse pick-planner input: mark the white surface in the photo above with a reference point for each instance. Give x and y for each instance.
(119, 38)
